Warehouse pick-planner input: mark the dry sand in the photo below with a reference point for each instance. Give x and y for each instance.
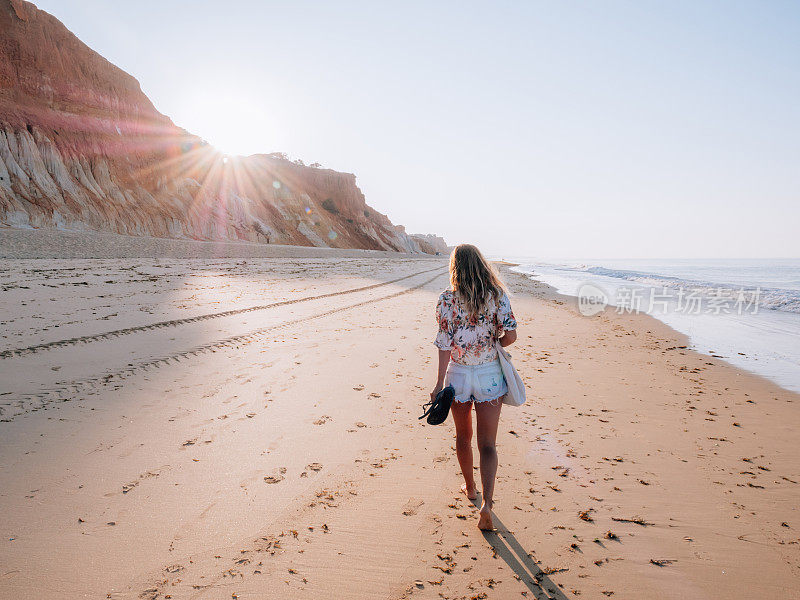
(151, 448)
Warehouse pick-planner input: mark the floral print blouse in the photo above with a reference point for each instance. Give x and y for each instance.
(472, 339)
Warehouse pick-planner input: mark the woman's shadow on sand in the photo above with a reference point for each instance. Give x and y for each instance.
(509, 549)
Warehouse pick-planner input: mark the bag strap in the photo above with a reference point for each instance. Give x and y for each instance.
(497, 335)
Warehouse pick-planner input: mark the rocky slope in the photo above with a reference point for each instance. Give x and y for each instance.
(431, 243)
(82, 148)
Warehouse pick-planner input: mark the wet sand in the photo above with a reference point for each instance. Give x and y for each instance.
(247, 428)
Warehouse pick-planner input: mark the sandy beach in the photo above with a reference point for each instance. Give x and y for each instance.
(246, 427)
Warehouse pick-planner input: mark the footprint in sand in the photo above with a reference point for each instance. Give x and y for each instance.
(277, 478)
(411, 507)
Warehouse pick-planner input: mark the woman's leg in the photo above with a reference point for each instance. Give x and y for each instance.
(462, 417)
(488, 415)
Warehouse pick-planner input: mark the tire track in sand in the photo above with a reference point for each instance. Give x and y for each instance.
(34, 402)
(86, 339)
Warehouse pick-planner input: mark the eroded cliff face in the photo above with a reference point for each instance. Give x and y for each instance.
(82, 148)
(430, 243)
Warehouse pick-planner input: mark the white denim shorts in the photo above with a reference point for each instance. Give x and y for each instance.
(478, 383)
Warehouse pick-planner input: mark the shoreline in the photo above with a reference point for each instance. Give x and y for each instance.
(762, 342)
(276, 446)
(680, 337)
(648, 321)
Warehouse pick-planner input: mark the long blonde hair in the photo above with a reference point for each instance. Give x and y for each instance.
(473, 278)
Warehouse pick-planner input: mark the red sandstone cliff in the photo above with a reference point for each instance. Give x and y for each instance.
(82, 147)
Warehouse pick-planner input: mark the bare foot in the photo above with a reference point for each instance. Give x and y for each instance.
(470, 493)
(485, 519)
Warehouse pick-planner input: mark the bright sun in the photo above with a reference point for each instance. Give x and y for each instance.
(234, 123)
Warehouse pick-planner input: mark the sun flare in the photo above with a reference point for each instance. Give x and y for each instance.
(233, 121)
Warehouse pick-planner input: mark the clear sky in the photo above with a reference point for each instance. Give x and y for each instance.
(550, 129)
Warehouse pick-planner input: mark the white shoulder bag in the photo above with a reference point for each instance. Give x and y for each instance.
(516, 388)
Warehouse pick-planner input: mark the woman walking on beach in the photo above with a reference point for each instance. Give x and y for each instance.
(473, 316)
